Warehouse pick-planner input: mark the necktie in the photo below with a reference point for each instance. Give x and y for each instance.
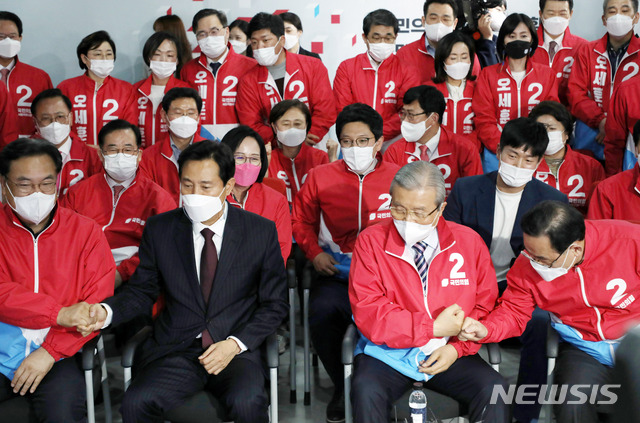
(421, 263)
(424, 154)
(208, 264)
(215, 66)
(553, 48)
(5, 75)
(117, 190)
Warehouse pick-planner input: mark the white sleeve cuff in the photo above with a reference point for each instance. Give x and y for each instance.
(109, 315)
(242, 346)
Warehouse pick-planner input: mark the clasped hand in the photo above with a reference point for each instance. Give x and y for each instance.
(86, 317)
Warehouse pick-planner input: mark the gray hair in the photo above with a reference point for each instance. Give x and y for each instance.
(634, 4)
(420, 175)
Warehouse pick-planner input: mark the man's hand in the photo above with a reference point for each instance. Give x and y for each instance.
(324, 264)
(332, 150)
(31, 371)
(119, 280)
(312, 139)
(218, 356)
(472, 330)
(484, 26)
(75, 315)
(449, 322)
(439, 361)
(269, 149)
(98, 315)
(600, 136)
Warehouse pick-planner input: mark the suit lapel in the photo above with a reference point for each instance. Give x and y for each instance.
(528, 200)
(486, 201)
(184, 242)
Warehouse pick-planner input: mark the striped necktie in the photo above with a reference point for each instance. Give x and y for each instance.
(421, 263)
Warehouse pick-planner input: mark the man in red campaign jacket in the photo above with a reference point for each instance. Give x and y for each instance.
(53, 262)
(119, 199)
(624, 114)
(279, 76)
(23, 82)
(426, 139)
(585, 274)
(377, 78)
(52, 115)
(98, 98)
(216, 73)
(557, 46)
(409, 276)
(181, 112)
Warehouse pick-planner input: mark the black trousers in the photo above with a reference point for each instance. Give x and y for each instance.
(166, 383)
(61, 395)
(470, 380)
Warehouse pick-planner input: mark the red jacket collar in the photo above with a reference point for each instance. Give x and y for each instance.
(204, 60)
(636, 175)
(600, 46)
(568, 157)
(91, 84)
(145, 88)
(12, 218)
(569, 40)
(348, 170)
(504, 66)
(364, 61)
(394, 244)
(469, 87)
(165, 147)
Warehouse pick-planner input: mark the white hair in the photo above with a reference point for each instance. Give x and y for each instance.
(418, 176)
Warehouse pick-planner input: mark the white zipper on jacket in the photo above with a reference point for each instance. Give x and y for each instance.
(361, 180)
(36, 265)
(586, 302)
(113, 210)
(375, 90)
(295, 175)
(95, 125)
(518, 85)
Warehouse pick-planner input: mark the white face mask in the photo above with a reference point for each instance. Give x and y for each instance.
(267, 56)
(556, 25)
(381, 51)
(514, 176)
(201, 208)
(458, 70)
(435, 32)
(292, 137)
(9, 48)
(121, 167)
(556, 142)
(55, 132)
(619, 25)
(359, 159)
(497, 18)
(34, 207)
(238, 46)
(101, 68)
(213, 46)
(290, 40)
(183, 127)
(413, 232)
(551, 273)
(412, 132)
(163, 69)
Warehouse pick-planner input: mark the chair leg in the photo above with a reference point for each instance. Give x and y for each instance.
(548, 408)
(273, 380)
(348, 414)
(307, 348)
(106, 394)
(91, 411)
(292, 346)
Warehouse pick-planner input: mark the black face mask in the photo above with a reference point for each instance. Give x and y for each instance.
(517, 49)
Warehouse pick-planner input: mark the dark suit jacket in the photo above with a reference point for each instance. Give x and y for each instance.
(248, 297)
(308, 53)
(472, 203)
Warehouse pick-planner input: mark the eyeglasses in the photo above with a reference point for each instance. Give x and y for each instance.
(530, 258)
(175, 114)
(113, 151)
(25, 188)
(409, 116)
(60, 118)
(400, 213)
(242, 159)
(212, 32)
(378, 39)
(359, 142)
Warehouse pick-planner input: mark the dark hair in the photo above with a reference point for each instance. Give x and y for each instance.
(242, 25)
(452, 3)
(181, 92)
(292, 18)
(92, 41)
(28, 147)
(210, 150)
(284, 106)
(509, 25)
(561, 222)
(445, 45)
(636, 133)
(380, 17)
(360, 112)
(118, 125)
(234, 138)
(154, 42)
(8, 16)
(525, 132)
(634, 3)
(543, 3)
(430, 99)
(174, 26)
(203, 13)
(50, 93)
(555, 109)
(273, 23)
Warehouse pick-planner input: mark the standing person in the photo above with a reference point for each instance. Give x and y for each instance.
(239, 37)
(8, 120)
(619, 145)
(174, 26)
(292, 33)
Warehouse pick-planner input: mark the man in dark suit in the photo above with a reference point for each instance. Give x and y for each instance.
(493, 205)
(222, 275)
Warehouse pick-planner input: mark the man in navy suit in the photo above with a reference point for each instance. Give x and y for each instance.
(493, 205)
(224, 283)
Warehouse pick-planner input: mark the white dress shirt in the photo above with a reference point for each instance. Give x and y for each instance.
(432, 146)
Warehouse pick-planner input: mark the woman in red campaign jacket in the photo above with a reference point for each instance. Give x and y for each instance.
(98, 98)
(161, 55)
(454, 61)
(248, 192)
(570, 172)
(510, 90)
(292, 158)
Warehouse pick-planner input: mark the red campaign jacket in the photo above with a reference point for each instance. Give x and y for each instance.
(357, 81)
(115, 99)
(562, 61)
(596, 298)
(308, 82)
(83, 163)
(151, 126)
(8, 120)
(123, 223)
(456, 156)
(415, 56)
(24, 83)
(219, 93)
(271, 205)
(387, 298)
(624, 112)
(458, 115)
(345, 202)
(294, 172)
(590, 85)
(617, 197)
(498, 98)
(72, 263)
(577, 177)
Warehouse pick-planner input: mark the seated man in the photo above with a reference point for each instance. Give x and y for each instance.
(52, 260)
(424, 138)
(566, 268)
(409, 315)
(335, 204)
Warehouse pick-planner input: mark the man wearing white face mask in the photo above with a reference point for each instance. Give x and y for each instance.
(16, 75)
(51, 112)
(216, 73)
(377, 77)
(567, 269)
